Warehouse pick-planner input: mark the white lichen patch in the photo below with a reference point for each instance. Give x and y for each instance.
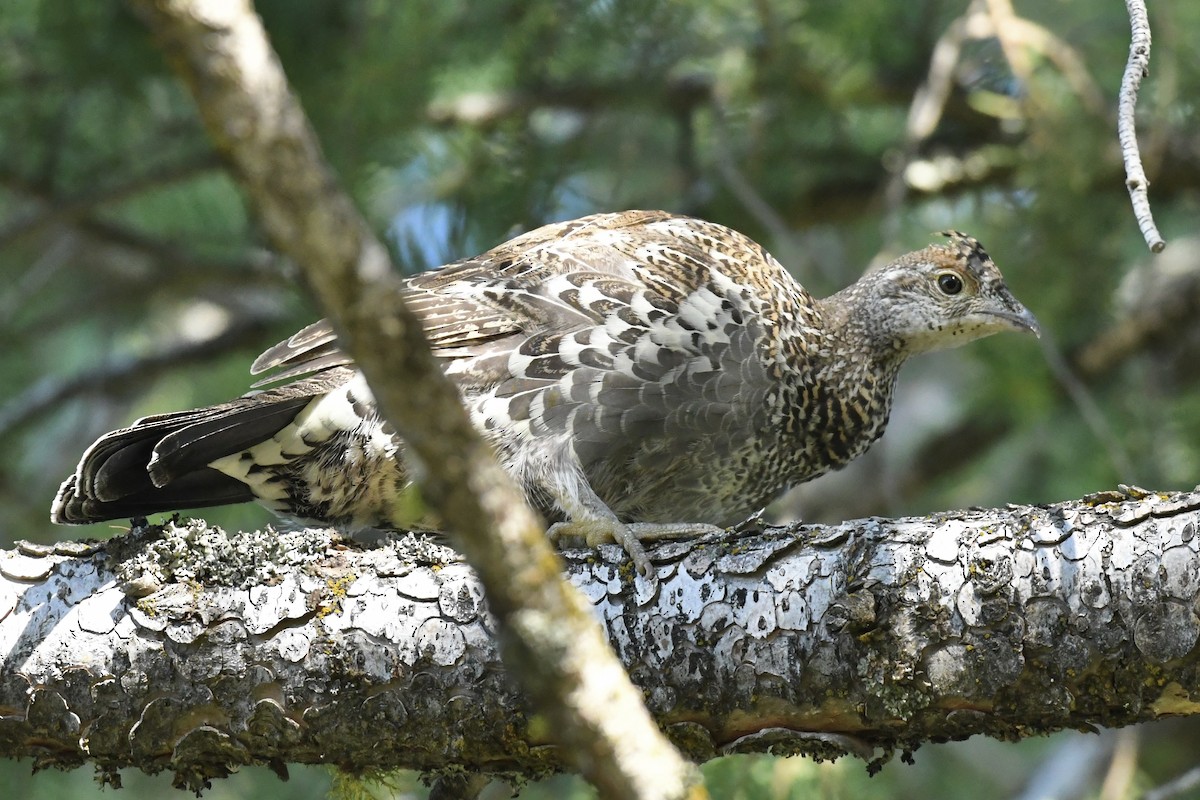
(206, 554)
(19, 567)
(943, 544)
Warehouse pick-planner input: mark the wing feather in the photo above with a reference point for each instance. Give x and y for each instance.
(557, 279)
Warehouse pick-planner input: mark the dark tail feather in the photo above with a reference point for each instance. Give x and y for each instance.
(207, 439)
(197, 490)
(160, 463)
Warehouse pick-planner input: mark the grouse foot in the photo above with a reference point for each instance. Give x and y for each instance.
(630, 535)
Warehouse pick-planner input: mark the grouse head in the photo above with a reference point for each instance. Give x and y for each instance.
(942, 296)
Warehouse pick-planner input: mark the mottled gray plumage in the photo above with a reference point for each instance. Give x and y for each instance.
(628, 368)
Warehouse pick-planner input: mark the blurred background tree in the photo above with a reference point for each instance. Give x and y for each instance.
(837, 134)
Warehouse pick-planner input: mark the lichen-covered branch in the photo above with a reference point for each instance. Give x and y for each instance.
(1136, 68)
(222, 53)
(193, 650)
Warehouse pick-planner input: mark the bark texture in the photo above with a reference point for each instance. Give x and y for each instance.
(194, 650)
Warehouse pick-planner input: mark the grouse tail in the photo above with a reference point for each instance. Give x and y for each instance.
(160, 463)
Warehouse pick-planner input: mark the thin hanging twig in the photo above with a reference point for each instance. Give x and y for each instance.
(1136, 68)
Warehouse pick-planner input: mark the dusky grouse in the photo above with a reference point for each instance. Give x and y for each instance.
(639, 375)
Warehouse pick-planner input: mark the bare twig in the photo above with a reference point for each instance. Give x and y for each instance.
(1136, 68)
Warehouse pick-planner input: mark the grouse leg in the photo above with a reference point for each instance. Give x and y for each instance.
(593, 521)
(666, 531)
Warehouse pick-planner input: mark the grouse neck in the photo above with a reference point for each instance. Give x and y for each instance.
(845, 376)
(859, 340)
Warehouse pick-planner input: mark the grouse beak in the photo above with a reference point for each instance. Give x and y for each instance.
(1020, 318)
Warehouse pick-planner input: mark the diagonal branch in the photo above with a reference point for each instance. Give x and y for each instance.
(549, 640)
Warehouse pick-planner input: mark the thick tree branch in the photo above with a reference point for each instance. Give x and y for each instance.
(555, 649)
(862, 637)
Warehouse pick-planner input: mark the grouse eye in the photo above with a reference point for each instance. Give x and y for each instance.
(949, 283)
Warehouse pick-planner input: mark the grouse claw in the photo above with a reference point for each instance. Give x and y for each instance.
(630, 536)
(597, 531)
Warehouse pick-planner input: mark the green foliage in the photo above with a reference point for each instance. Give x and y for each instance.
(457, 123)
